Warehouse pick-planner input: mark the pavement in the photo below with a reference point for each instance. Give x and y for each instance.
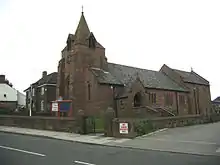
(20, 149)
(89, 139)
(193, 144)
(199, 139)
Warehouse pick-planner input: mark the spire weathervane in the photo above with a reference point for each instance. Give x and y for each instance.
(82, 8)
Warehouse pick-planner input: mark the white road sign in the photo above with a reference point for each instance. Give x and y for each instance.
(55, 107)
(123, 128)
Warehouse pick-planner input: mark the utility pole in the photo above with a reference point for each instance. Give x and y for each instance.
(30, 109)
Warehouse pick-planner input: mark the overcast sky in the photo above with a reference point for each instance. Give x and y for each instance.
(141, 33)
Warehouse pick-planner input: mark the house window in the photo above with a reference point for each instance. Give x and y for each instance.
(33, 92)
(137, 100)
(42, 105)
(152, 98)
(89, 91)
(169, 99)
(4, 95)
(42, 90)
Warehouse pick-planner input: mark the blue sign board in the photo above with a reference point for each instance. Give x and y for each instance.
(65, 106)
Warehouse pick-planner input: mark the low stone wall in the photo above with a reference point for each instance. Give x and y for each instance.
(142, 126)
(42, 123)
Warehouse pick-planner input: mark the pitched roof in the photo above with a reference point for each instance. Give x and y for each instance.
(122, 75)
(192, 77)
(105, 77)
(217, 100)
(48, 79)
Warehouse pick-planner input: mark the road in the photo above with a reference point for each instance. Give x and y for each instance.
(30, 150)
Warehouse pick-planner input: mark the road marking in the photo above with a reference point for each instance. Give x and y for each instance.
(182, 141)
(80, 162)
(27, 152)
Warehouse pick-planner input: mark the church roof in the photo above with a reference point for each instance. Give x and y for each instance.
(122, 75)
(105, 77)
(192, 77)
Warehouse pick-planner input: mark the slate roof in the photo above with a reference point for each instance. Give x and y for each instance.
(192, 77)
(104, 77)
(122, 75)
(49, 79)
(217, 100)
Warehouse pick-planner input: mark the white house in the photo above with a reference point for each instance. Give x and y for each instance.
(10, 97)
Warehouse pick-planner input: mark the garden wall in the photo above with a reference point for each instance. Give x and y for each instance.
(42, 123)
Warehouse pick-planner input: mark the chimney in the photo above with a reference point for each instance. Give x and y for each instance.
(10, 84)
(44, 74)
(2, 78)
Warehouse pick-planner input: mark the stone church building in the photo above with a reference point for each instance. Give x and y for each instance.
(92, 83)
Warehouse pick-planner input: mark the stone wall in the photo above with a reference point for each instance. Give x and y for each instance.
(42, 123)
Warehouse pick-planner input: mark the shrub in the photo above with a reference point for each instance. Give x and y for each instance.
(143, 127)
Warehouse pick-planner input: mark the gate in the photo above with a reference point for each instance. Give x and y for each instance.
(94, 124)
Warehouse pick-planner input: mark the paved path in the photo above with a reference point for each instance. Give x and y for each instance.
(199, 139)
(30, 150)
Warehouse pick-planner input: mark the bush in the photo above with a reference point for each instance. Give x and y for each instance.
(143, 127)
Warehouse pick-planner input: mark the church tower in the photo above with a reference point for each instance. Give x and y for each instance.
(81, 53)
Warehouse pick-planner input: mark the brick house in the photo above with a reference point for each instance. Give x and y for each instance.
(43, 92)
(86, 77)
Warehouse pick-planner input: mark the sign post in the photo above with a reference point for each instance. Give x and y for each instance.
(123, 128)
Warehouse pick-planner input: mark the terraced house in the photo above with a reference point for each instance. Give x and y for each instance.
(86, 77)
(40, 93)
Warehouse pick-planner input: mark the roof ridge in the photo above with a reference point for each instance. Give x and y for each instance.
(133, 67)
(196, 74)
(181, 70)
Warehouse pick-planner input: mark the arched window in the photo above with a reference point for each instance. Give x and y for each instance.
(137, 99)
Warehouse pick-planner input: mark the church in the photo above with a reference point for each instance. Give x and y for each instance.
(93, 84)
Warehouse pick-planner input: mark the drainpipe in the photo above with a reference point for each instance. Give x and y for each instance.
(194, 92)
(177, 103)
(114, 102)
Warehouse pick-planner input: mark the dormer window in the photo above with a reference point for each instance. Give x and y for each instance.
(92, 41)
(69, 44)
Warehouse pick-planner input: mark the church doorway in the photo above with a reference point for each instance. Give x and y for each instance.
(137, 100)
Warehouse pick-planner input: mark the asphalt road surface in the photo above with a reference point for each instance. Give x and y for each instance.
(29, 150)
